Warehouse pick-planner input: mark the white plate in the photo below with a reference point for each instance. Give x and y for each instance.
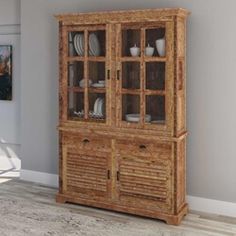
(95, 107)
(80, 43)
(78, 46)
(99, 111)
(91, 47)
(101, 107)
(97, 85)
(94, 44)
(75, 44)
(136, 117)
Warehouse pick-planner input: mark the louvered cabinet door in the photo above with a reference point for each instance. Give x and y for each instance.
(86, 174)
(144, 180)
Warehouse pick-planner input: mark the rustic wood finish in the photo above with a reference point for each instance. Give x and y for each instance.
(138, 168)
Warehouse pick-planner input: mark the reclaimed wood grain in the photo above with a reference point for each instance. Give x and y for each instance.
(137, 168)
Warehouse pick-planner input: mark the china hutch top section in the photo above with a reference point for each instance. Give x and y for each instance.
(124, 70)
(122, 16)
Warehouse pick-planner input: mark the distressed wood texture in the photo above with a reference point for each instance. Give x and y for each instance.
(138, 168)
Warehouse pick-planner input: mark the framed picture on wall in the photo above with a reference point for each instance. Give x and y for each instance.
(5, 72)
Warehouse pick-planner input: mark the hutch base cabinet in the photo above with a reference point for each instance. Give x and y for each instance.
(122, 128)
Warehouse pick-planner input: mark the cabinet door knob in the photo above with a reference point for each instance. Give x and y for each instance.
(142, 146)
(118, 175)
(85, 140)
(108, 74)
(108, 174)
(118, 74)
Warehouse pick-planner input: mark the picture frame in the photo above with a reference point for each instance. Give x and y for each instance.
(6, 72)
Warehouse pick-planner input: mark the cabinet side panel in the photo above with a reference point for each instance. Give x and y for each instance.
(180, 174)
(180, 82)
(60, 163)
(60, 47)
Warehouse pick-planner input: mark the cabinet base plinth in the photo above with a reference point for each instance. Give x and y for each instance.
(171, 219)
(60, 198)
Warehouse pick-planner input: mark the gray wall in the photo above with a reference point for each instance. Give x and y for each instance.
(10, 110)
(211, 95)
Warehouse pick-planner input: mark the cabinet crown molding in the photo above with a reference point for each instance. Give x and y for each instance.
(121, 16)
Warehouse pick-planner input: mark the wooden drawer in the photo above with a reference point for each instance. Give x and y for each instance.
(87, 142)
(144, 148)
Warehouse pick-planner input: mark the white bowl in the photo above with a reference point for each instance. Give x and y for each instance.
(160, 45)
(101, 81)
(136, 117)
(134, 51)
(82, 83)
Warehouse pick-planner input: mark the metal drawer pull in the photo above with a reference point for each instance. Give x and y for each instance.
(85, 140)
(142, 146)
(108, 174)
(108, 74)
(118, 175)
(118, 75)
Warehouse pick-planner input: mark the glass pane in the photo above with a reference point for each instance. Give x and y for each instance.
(130, 42)
(76, 43)
(131, 75)
(97, 106)
(131, 108)
(155, 75)
(155, 107)
(75, 74)
(76, 105)
(155, 38)
(97, 74)
(97, 43)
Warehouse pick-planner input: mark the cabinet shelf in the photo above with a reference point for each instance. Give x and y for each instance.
(90, 58)
(154, 92)
(76, 89)
(97, 90)
(131, 91)
(91, 90)
(155, 59)
(74, 118)
(146, 59)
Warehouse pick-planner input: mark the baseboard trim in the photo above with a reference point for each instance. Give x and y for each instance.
(195, 203)
(39, 177)
(212, 206)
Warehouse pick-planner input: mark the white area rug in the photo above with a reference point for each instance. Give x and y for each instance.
(29, 209)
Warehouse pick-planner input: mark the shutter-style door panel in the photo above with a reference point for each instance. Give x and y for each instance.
(145, 181)
(86, 174)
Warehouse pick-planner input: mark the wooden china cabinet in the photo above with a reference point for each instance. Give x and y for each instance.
(122, 111)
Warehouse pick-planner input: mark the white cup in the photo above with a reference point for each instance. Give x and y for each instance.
(160, 45)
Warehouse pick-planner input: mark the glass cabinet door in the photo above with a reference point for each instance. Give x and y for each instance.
(86, 73)
(143, 80)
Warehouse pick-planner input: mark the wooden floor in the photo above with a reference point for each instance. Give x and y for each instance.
(195, 223)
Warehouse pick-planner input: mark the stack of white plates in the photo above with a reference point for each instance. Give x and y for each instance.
(100, 84)
(98, 109)
(136, 117)
(94, 47)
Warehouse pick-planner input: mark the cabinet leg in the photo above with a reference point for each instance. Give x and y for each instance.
(176, 220)
(60, 199)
